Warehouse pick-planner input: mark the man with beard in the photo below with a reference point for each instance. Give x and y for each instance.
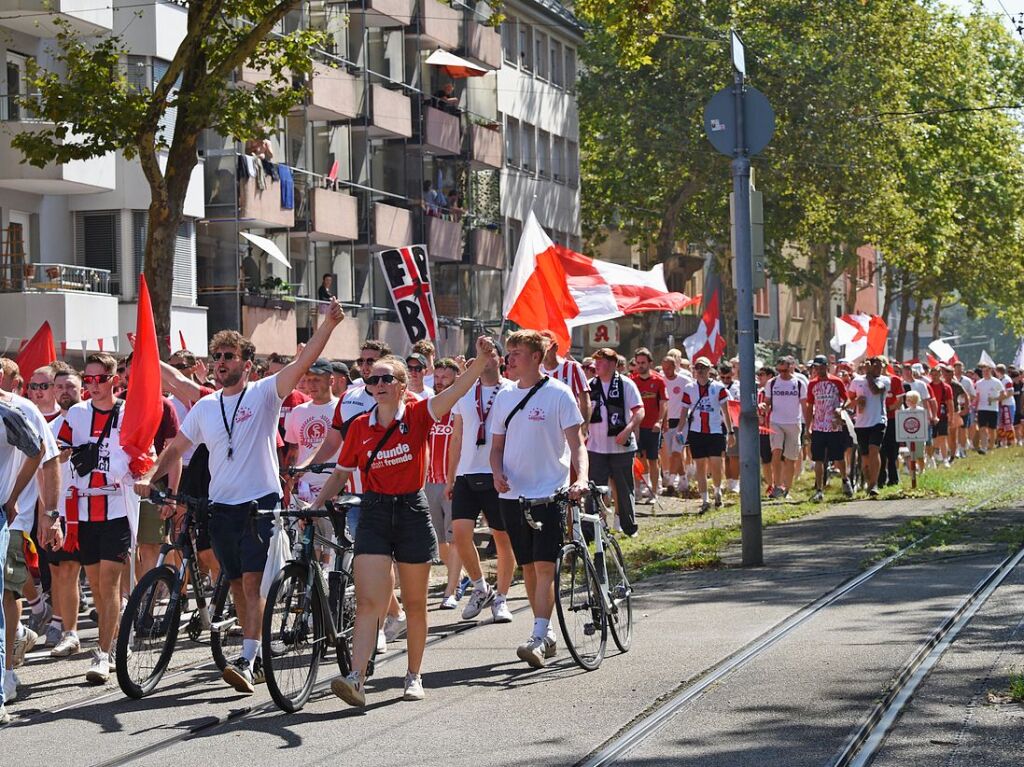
(238, 425)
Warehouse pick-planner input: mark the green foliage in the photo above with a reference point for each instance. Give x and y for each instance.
(1016, 685)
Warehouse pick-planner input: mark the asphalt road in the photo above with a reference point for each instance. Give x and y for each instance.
(793, 705)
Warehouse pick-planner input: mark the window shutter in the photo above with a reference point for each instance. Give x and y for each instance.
(183, 284)
(170, 117)
(98, 243)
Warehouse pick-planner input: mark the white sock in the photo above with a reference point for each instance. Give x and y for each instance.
(480, 585)
(249, 649)
(540, 627)
(550, 635)
(499, 597)
(704, 494)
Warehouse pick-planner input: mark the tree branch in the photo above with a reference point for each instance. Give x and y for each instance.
(253, 38)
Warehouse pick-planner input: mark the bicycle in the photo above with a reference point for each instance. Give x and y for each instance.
(149, 626)
(589, 605)
(309, 611)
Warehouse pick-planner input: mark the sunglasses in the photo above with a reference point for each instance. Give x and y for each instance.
(387, 378)
(366, 360)
(415, 368)
(226, 356)
(97, 379)
(180, 366)
(39, 386)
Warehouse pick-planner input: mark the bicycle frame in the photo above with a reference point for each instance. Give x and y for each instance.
(578, 517)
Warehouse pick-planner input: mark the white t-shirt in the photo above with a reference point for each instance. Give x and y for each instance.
(873, 412)
(598, 440)
(427, 393)
(306, 426)
(786, 399)
(536, 458)
(988, 391)
(252, 472)
(355, 402)
(473, 458)
(13, 459)
(921, 388)
(674, 391)
(65, 467)
(968, 385)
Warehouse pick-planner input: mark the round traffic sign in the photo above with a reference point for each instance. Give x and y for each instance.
(720, 121)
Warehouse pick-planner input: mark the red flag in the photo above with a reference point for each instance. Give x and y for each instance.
(707, 341)
(37, 352)
(99, 343)
(144, 407)
(878, 336)
(181, 337)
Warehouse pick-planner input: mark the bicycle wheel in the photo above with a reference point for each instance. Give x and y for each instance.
(293, 637)
(226, 630)
(580, 607)
(147, 633)
(620, 619)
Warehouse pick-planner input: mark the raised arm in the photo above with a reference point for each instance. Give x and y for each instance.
(288, 377)
(441, 404)
(185, 389)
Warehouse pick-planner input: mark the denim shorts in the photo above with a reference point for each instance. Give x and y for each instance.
(239, 542)
(397, 526)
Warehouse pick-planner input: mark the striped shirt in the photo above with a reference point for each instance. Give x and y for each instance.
(571, 374)
(84, 423)
(439, 440)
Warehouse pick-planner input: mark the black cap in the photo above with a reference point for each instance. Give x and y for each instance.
(322, 367)
(821, 359)
(340, 369)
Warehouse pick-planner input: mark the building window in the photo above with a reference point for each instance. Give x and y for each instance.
(515, 233)
(569, 75)
(98, 243)
(508, 39)
(543, 153)
(865, 271)
(763, 300)
(512, 141)
(183, 285)
(528, 146)
(572, 163)
(556, 64)
(16, 85)
(540, 55)
(526, 46)
(558, 159)
(798, 310)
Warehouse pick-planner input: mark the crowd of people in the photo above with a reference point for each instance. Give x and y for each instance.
(431, 446)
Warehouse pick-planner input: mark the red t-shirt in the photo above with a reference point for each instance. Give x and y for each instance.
(653, 393)
(896, 390)
(401, 462)
(942, 393)
(440, 440)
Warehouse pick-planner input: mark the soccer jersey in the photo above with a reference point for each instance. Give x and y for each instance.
(872, 413)
(653, 393)
(12, 462)
(825, 395)
(785, 397)
(108, 487)
(306, 427)
(703, 403)
(439, 439)
(674, 393)
(571, 374)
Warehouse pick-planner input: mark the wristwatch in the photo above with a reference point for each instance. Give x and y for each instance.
(52, 514)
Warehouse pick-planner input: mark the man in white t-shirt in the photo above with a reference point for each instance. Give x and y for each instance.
(306, 426)
(416, 364)
(676, 379)
(611, 442)
(868, 392)
(784, 396)
(536, 437)
(989, 394)
(239, 425)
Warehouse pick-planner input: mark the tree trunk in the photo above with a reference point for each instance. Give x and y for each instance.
(666, 242)
(901, 335)
(890, 288)
(918, 311)
(936, 317)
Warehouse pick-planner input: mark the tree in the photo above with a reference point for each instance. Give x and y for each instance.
(87, 95)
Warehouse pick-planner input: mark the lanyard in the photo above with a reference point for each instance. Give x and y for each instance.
(481, 434)
(230, 429)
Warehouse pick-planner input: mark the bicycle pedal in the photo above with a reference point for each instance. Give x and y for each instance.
(224, 624)
(589, 629)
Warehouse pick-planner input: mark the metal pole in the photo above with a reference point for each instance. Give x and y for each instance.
(750, 469)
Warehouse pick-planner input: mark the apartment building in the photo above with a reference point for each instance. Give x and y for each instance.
(359, 168)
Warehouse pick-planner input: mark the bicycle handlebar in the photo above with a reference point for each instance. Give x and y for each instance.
(160, 497)
(313, 468)
(343, 503)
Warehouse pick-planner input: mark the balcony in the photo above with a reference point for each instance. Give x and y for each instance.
(247, 76)
(483, 45)
(269, 324)
(382, 13)
(389, 114)
(439, 24)
(486, 249)
(441, 133)
(392, 226)
(334, 94)
(75, 177)
(333, 216)
(444, 239)
(486, 150)
(36, 17)
(262, 207)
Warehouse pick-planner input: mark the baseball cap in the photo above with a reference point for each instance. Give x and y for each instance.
(702, 361)
(606, 353)
(917, 367)
(417, 358)
(322, 367)
(340, 368)
(821, 359)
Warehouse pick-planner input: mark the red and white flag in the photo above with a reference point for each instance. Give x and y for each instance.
(943, 351)
(707, 341)
(553, 288)
(861, 334)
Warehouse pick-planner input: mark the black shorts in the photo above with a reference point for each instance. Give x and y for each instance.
(530, 545)
(673, 423)
(765, 443)
(648, 444)
(988, 419)
(104, 541)
(705, 445)
(60, 555)
(941, 428)
(467, 503)
(868, 436)
(237, 548)
(397, 526)
(828, 445)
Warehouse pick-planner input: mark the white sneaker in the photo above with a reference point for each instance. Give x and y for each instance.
(11, 682)
(24, 641)
(413, 687)
(449, 602)
(532, 651)
(99, 668)
(478, 600)
(550, 647)
(394, 626)
(382, 643)
(500, 612)
(350, 689)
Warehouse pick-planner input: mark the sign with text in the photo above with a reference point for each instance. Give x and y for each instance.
(407, 275)
(603, 334)
(912, 426)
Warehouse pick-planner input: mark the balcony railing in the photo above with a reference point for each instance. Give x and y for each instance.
(19, 277)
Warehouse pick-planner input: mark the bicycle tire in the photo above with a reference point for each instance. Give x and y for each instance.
(345, 624)
(146, 634)
(292, 647)
(580, 607)
(223, 643)
(620, 621)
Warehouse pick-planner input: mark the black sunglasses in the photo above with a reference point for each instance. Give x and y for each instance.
(416, 368)
(387, 378)
(226, 356)
(366, 360)
(180, 366)
(39, 386)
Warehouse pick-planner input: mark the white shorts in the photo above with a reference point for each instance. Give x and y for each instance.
(786, 437)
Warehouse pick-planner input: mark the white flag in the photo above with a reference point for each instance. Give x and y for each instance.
(1018, 358)
(942, 350)
(986, 360)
